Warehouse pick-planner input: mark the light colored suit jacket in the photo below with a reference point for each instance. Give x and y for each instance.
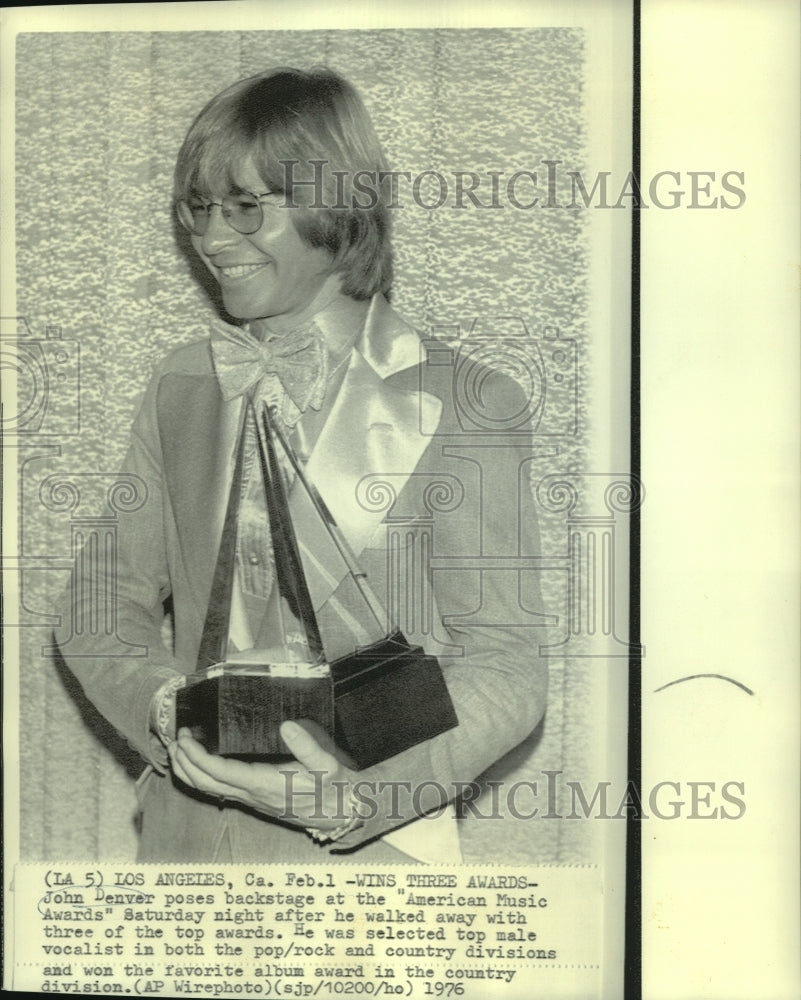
(408, 485)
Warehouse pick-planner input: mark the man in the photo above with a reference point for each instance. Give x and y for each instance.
(282, 186)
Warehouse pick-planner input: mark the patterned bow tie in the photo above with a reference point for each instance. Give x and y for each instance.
(299, 359)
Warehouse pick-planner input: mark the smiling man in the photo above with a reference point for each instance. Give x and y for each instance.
(265, 185)
(270, 272)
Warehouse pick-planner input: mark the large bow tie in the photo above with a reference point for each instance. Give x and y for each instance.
(299, 359)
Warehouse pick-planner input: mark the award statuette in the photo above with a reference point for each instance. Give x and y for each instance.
(381, 699)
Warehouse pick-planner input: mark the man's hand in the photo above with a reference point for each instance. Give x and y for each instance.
(311, 791)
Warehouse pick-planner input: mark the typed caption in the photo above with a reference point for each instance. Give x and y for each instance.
(284, 932)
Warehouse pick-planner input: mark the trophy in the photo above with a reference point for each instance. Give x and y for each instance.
(384, 697)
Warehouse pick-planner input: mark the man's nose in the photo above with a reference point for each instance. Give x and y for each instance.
(219, 234)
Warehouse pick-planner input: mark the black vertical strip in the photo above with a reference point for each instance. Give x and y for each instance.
(633, 943)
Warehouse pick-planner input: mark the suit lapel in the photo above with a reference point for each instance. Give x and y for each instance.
(373, 429)
(199, 432)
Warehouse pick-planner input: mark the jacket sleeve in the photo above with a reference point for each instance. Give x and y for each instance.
(499, 685)
(113, 610)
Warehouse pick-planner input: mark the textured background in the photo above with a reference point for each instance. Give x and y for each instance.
(99, 121)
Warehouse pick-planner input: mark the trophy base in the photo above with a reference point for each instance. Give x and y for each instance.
(374, 703)
(388, 698)
(240, 715)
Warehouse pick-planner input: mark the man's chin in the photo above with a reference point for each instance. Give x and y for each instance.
(239, 311)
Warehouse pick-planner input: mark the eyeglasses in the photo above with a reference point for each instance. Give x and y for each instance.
(242, 212)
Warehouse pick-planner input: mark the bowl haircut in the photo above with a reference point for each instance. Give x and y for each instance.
(309, 137)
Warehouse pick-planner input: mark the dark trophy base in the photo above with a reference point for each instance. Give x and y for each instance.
(376, 703)
(388, 698)
(240, 714)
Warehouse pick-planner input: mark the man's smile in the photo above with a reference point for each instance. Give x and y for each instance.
(240, 270)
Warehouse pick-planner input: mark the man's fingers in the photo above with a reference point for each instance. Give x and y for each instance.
(258, 785)
(325, 741)
(187, 770)
(234, 773)
(305, 749)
